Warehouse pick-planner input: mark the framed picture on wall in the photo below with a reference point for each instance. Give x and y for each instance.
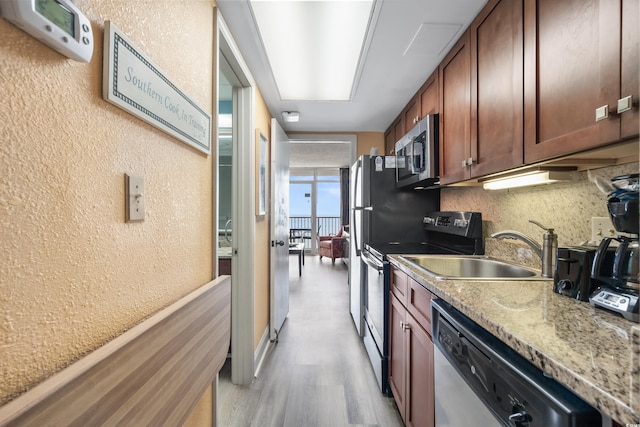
(261, 190)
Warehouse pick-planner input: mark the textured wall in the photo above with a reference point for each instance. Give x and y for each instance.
(73, 274)
(565, 207)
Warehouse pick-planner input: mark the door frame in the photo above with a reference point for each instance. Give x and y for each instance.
(243, 203)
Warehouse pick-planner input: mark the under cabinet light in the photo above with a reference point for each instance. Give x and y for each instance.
(527, 178)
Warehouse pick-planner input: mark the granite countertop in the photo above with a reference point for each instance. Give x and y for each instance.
(224, 252)
(594, 353)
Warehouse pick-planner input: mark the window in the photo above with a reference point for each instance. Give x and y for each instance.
(314, 203)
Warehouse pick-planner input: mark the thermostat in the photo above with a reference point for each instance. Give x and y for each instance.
(57, 23)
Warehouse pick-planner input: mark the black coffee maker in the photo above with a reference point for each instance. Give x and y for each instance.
(616, 262)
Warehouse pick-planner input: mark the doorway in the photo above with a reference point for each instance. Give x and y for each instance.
(236, 95)
(225, 167)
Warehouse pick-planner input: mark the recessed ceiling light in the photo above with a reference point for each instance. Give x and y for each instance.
(290, 116)
(313, 47)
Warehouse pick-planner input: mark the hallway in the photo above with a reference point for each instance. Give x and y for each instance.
(318, 374)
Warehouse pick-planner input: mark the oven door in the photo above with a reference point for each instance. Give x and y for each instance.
(376, 315)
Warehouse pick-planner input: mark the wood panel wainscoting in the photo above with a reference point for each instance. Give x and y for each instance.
(153, 374)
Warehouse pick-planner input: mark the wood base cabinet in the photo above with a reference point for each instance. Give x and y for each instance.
(224, 266)
(411, 355)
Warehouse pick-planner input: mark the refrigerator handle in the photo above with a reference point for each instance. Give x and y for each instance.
(353, 211)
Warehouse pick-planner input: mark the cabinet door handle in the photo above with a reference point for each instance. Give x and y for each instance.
(467, 162)
(625, 104)
(405, 326)
(602, 113)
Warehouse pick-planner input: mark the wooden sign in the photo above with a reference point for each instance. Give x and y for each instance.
(134, 83)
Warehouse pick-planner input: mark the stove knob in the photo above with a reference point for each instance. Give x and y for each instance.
(520, 419)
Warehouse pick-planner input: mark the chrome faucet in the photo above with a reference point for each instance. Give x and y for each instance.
(546, 252)
(226, 231)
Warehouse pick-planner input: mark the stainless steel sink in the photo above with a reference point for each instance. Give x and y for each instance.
(471, 268)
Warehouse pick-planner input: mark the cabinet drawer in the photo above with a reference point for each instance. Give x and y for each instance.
(399, 284)
(419, 303)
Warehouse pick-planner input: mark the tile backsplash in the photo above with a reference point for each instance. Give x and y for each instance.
(565, 207)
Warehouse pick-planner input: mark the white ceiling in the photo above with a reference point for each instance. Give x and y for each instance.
(402, 54)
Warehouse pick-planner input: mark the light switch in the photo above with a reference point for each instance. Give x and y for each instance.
(134, 198)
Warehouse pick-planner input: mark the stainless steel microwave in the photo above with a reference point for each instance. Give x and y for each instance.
(417, 155)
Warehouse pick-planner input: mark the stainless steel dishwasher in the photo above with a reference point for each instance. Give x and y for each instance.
(480, 381)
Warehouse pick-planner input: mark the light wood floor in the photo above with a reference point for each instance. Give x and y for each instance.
(318, 374)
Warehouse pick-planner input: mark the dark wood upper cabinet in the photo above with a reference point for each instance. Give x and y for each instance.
(411, 114)
(630, 67)
(573, 60)
(398, 128)
(454, 74)
(389, 141)
(481, 96)
(392, 135)
(428, 96)
(424, 102)
(525, 83)
(497, 88)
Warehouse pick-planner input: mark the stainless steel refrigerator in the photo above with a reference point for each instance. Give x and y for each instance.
(382, 217)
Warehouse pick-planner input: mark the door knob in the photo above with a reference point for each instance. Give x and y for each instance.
(277, 243)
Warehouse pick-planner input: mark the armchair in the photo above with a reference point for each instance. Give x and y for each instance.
(331, 246)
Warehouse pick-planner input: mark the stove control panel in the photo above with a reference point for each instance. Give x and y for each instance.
(467, 224)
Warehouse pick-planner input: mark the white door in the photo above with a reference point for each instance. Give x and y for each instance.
(279, 284)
